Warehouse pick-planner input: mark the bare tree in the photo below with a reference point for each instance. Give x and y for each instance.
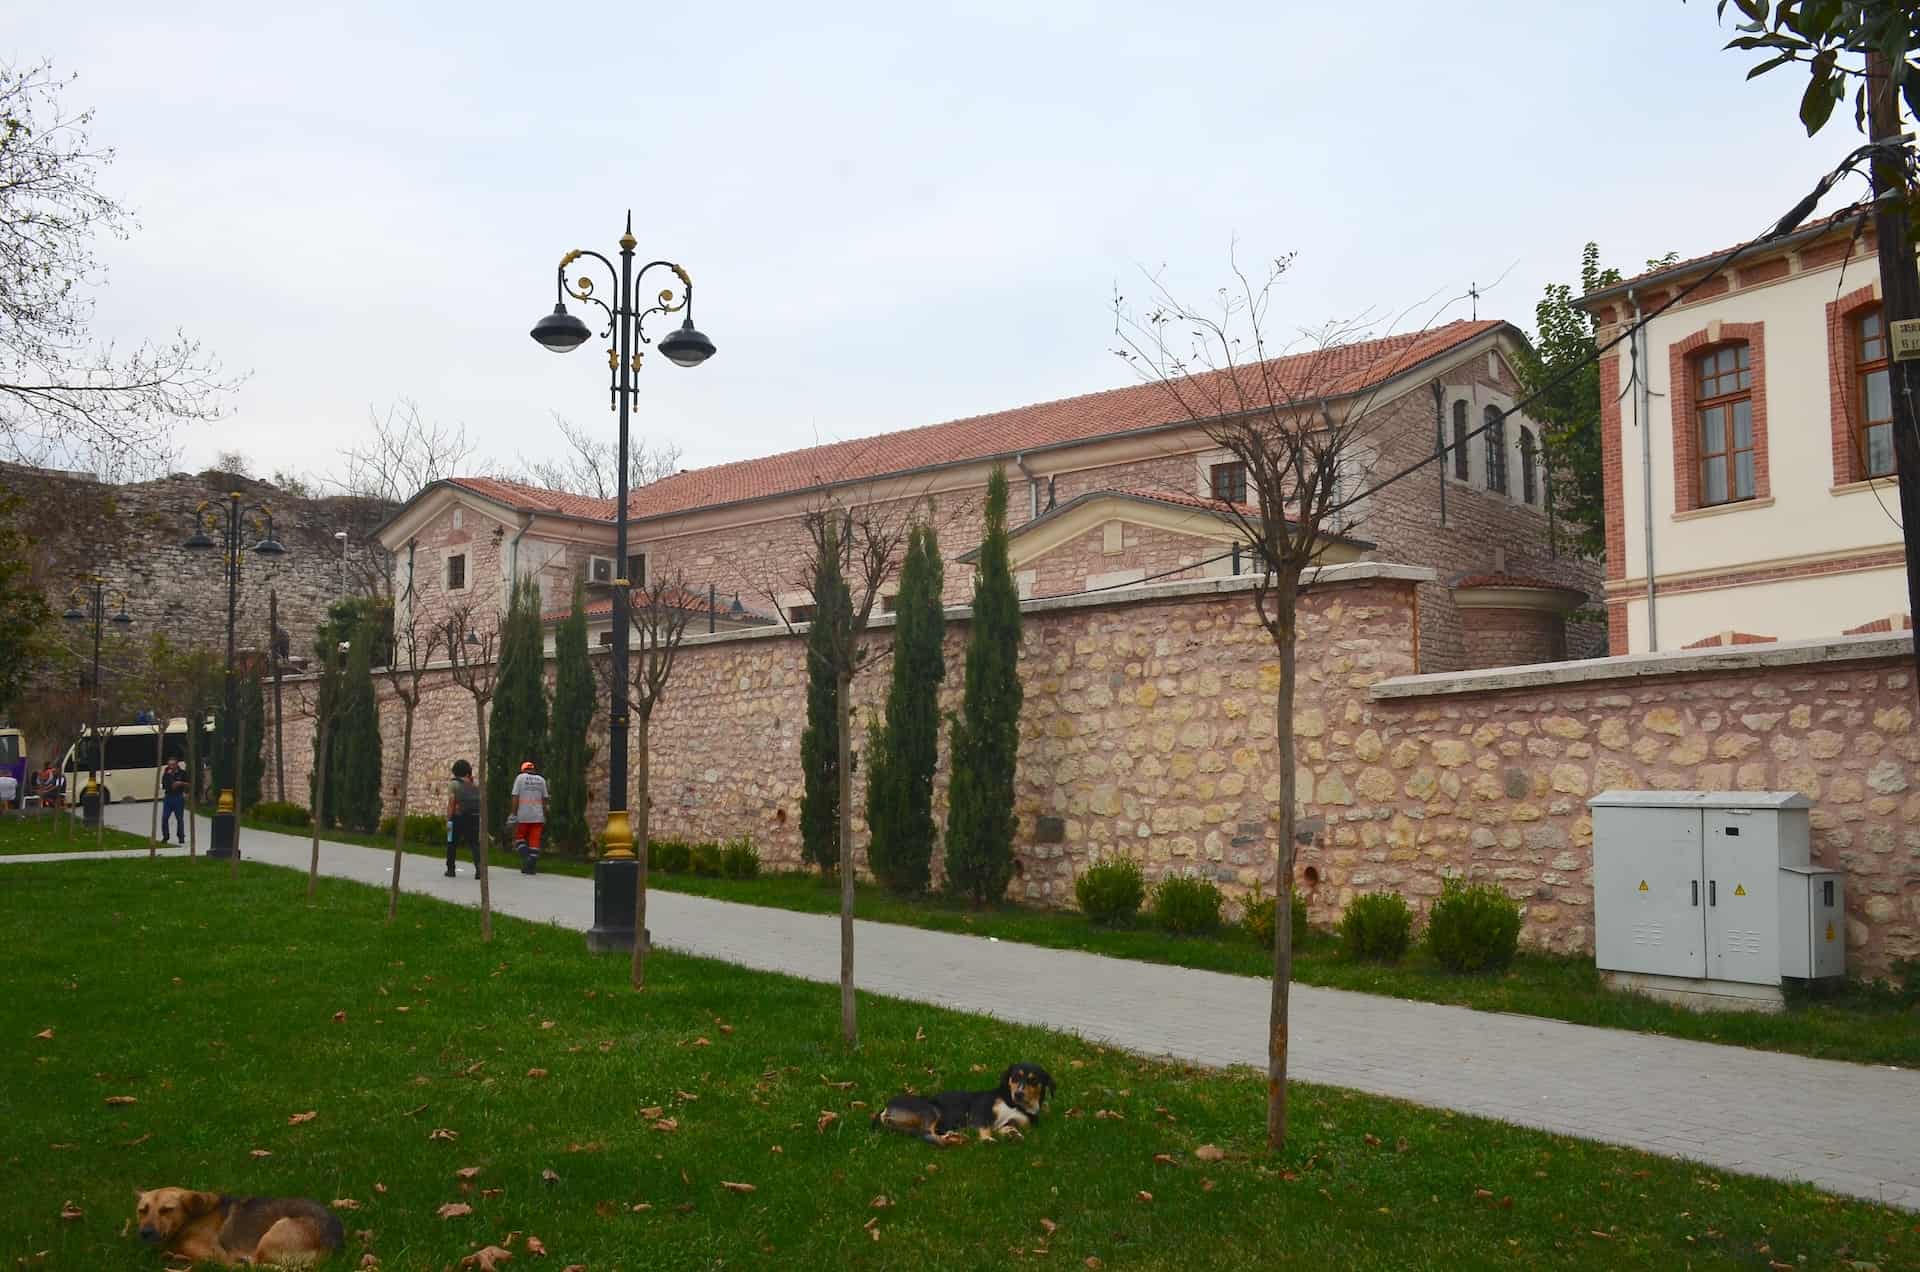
(590, 465)
(1304, 457)
(414, 644)
(865, 542)
(659, 613)
(474, 659)
(66, 401)
(405, 453)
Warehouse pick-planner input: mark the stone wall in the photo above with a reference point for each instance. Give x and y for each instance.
(1148, 732)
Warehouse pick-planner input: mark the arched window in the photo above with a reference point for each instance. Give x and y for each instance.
(1723, 409)
(1460, 460)
(1496, 435)
(1528, 480)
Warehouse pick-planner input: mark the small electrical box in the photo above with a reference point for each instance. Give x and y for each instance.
(1813, 923)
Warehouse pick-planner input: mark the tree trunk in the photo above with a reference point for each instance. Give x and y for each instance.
(239, 783)
(194, 717)
(1285, 601)
(400, 813)
(842, 707)
(642, 806)
(279, 733)
(486, 846)
(159, 763)
(319, 802)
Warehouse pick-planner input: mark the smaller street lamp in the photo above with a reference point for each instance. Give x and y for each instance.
(87, 607)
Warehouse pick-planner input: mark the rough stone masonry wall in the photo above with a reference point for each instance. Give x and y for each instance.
(1148, 731)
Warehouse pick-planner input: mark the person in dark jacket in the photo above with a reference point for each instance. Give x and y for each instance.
(173, 796)
(463, 815)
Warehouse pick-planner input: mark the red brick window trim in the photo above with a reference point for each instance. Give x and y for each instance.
(1697, 385)
(1856, 388)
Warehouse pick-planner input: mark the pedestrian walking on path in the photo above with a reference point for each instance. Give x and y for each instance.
(173, 800)
(530, 815)
(463, 815)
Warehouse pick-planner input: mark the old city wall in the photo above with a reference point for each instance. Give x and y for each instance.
(1148, 732)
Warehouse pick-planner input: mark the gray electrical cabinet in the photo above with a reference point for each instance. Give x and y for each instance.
(1711, 885)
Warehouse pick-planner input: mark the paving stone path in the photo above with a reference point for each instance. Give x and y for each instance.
(1847, 1128)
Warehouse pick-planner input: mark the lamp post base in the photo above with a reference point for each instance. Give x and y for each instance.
(613, 888)
(225, 841)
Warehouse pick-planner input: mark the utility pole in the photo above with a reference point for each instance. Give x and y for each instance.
(1899, 300)
(277, 650)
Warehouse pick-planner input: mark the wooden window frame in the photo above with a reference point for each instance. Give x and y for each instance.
(446, 575)
(1684, 411)
(1702, 367)
(1235, 472)
(1864, 366)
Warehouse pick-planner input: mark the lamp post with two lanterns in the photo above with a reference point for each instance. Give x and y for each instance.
(232, 520)
(616, 874)
(87, 606)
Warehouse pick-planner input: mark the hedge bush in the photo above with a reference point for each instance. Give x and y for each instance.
(670, 855)
(422, 828)
(706, 860)
(1111, 892)
(1187, 905)
(282, 813)
(739, 859)
(1377, 926)
(1473, 928)
(1257, 922)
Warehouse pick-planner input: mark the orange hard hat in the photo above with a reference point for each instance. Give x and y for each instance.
(526, 766)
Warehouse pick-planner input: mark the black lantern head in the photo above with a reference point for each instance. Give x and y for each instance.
(560, 331)
(686, 347)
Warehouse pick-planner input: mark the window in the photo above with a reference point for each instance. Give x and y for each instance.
(1723, 405)
(1461, 460)
(1528, 480)
(1496, 434)
(637, 569)
(1229, 482)
(800, 613)
(606, 639)
(457, 572)
(1874, 405)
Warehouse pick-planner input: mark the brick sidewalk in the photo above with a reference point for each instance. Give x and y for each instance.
(1847, 1128)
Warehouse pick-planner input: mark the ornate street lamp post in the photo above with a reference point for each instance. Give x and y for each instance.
(232, 521)
(87, 605)
(616, 873)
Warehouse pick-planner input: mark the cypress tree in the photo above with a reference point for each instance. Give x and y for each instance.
(820, 743)
(567, 747)
(986, 735)
(518, 727)
(356, 744)
(902, 752)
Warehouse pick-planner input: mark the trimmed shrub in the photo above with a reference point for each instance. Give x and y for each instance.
(1473, 928)
(1257, 922)
(422, 828)
(706, 860)
(281, 813)
(1111, 892)
(1377, 926)
(670, 855)
(739, 859)
(1186, 905)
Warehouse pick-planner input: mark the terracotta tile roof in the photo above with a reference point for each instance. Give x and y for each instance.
(524, 498)
(601, 606)
(1509, 580)
(1811, 230)
(1341, 371)
(1181, 499)
(1730, 638)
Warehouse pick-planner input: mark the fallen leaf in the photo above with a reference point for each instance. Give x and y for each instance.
(45, 1035)
(70, 1212)
(1077, 1064)
(730, 1186)
(651, 1111)
(667, 1124)
(640, 1206)
(550, 1175)
(574, 1267)
(1371, 1140)
(686, 1095)
(344, 1203)
(1210, 1153)
(535, 1246)
(491, 1193)
(1483, 1194)
(881, 1202)
(339, 1017)
(454, 1210)
(591, 1146)
(1049, 1226)
(466, 1172)
(1165, 1159)
(487, 1258)
(702, 1042)
(726, 1029)
(536, 1073)
(294, 1119)
(827, 1118)
(121, 1099)
(415, 1111)
(37, 1258)
(546, 1024)
(369, 1260)
(777, 1149)
(919, 1035)
(1604, 1236)
(1108, 1115)
(838, 1086)
(1401, 1145)
(1092, 1261)
(1206, 1185)
(261, 1152)
(442, 1133)
(381, 1189)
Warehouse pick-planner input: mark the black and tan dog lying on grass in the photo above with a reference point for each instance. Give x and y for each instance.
(280, 1232)
(945, 1119)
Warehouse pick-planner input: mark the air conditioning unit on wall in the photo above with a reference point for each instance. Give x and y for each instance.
(601, 571)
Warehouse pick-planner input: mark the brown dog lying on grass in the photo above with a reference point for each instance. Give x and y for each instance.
(286, 1232)
(945, 1119)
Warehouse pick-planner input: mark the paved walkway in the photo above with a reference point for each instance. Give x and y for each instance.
(1847, 1128)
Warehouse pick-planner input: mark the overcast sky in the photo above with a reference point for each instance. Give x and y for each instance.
(894, 214)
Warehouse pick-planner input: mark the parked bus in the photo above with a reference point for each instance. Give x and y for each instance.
(13, 759)
(126, 759)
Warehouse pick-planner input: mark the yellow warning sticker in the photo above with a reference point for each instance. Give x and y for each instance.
(1739, 889)
(1643, 885)
(1829, 929)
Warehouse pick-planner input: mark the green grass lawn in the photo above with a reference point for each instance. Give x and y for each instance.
(55, 832)
(1856, 1022)
(269, 1045)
